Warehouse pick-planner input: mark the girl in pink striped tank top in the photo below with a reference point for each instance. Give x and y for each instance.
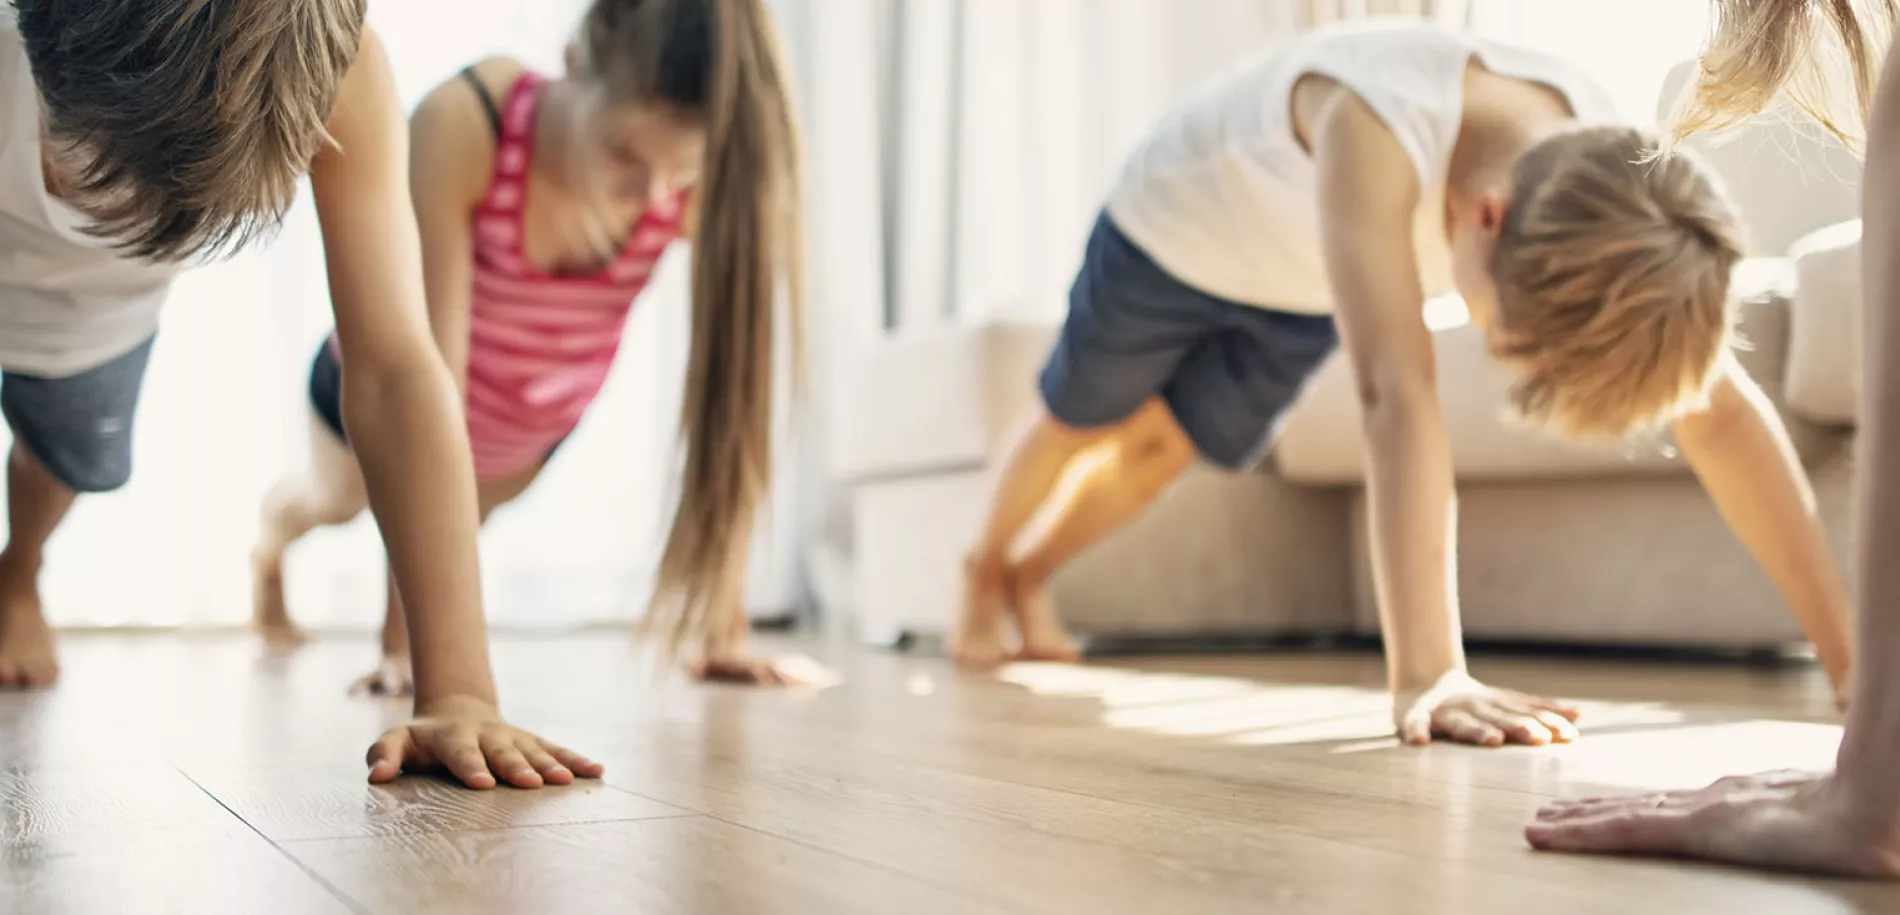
(544, 206)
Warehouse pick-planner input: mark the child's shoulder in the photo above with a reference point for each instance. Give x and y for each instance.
(459, 94)
(453, 130)
(497, 75)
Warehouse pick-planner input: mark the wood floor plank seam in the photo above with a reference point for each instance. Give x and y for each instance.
(328, 887)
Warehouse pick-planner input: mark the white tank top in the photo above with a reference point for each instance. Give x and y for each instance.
(68, 301)
(1223, 197)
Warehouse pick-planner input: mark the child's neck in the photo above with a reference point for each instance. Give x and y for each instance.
(575, 232)
(1503, 119)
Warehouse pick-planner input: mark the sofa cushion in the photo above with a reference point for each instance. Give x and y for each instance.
(943, 399)
(1824, 358)
(1628, 561)
(1216, 553)
(1322, 443)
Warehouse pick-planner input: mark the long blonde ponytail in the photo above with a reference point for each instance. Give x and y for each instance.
(1823, 56)
(720, 60)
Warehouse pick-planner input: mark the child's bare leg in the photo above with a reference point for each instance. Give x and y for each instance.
(36, 502)
(1035, 467)
(332, 493)
(394, 676)
(1146, 453)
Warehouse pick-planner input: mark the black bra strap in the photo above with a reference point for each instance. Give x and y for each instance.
(488, 101)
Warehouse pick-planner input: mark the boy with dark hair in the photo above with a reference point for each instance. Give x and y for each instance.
(137, 135)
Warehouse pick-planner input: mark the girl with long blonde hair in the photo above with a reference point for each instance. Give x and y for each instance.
(544, 205)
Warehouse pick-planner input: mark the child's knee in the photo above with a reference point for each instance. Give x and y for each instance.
(300, 504)
(338, 507)
(1153, 438)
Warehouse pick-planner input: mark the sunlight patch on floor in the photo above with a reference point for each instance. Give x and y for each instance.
(1635, 744)
(1693, 755)
(1118, 688)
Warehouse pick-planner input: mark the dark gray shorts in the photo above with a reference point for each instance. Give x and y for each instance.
(79, 427)
(326, 391)
(1227, 371)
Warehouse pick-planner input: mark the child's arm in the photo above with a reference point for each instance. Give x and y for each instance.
(1741, 452)
(400, 406)
(1370, 194)
(449, 167)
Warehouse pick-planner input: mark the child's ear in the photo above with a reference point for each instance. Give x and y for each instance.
(1491, 213)
(571, 58)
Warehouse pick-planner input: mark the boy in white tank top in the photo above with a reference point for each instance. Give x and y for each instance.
(136, 135)
(1323, 193)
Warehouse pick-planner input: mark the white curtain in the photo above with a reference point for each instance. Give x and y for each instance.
(994, 127)
(225, 415)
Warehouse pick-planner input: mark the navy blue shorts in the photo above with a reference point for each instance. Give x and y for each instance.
(326, 388)
(326, 391)
(1227, 371)
(79, 427)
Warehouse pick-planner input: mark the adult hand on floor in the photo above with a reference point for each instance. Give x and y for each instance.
(1460, 708)
(1784, 820)
(468, 738)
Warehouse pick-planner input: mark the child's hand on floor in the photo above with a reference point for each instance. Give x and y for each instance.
(468, 738)
(393, 677)
(1460, 708)
(748, 669)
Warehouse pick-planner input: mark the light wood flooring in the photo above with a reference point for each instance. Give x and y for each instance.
(192, 775)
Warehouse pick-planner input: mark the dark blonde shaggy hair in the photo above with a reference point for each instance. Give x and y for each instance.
(183, 125)
(1612, 268)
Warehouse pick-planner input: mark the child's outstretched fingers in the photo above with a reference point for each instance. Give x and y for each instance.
(464, 757)
(1462, 709)
(550, 768)
(1569, 712)
(469, 738)
(506, 760)
(575, 762)
(386, 756)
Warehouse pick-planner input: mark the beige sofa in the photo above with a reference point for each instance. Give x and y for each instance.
(1556, 544)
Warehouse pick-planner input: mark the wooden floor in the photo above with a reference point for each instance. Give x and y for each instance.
(192, 775)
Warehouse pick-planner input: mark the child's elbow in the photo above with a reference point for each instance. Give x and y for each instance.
(381, 379)
(1388, 396)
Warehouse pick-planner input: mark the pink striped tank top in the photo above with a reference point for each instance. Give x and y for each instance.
(540, 345)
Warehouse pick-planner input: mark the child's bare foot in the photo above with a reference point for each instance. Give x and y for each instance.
(977, 640)
(1044, 636)
(270, 618)
(393, 677)
(745, 668)
(28, 656)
